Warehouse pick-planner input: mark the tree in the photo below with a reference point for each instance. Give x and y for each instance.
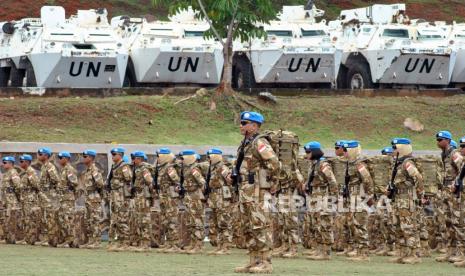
(228, 20)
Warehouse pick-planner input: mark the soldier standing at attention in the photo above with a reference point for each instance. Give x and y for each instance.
(93, 188)
(452, 163)
(11, 187)
(256, 168)
(119, 183)
(459, 193)
(29, 200)
(48, 197)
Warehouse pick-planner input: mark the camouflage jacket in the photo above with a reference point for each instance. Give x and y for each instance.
(29, 185)
(168, 180)
(409, 183)
(142, 178)
(324, 181)
(360, 183)
(193, 178)
(11, 183)
(122, 176)
(452, 162)
(69, 182)
(92, 179)
(49, 177)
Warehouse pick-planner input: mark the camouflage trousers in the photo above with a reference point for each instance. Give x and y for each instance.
(323, 223)
(237, 226)
(121, 211)
(288, 217)
(341, 232)
(422, 231)
(358, 224)
(66, 221)
(31, 221)
(141, 225)
(380, 223)
(308, 230)
(220, 223)
(2, 223)
(12, 219)
(93, 221)
(169, 219)
(406, 228)
(50, 207)
(439, 225)
(195, 216)
(458, 221)
(445, 212)
(277, 223)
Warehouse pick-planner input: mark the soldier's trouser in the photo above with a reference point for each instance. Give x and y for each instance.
(440, 221)
(447, 207)
(195, 217)
(308, 229)
(324, 228)
(288, 211)
(423, 234)
(93, 221)
(31, 222)
(120, 217)
(2, 223)
(142, 226)
(169, 219)
(222, 220)
(256, 223)
(406, 228)
(458, 221)
(358, 222)
(13, 215)
(66, 220)
(237, 226)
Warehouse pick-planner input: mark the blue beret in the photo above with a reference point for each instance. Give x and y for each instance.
(126, 159)
(453, 144)
(187, 152)
(312, 145)
(252, 117)
(387, 150)
(197, 156)
(401, 141)
(339, 143)
(9, 159)
(25, 157)
(138, 154)
(118, 150)
(444, 134)
(64, 154)
(350, 144)
(164, 151)
(45, 151)
(90, 153)
(145, 157)
(214, 151)
(462, 140)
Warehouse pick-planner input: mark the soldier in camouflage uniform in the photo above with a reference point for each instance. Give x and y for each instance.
(452, 163)
(66, 190)
(459, 193)
(193, 183)
(48, 198)
(11, 183)
(93, 186)
(30, 200)
(119, 181)
(219, 200)
(322, 188)
(142, 178)
(358, 189)
(409, 190)
(256, 168)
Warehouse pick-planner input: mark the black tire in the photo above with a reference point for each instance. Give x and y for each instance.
(4, 76)
(341, 80)
(359, 76)
(243, 77)
(17, 76)
(130, 79)
(30, 76)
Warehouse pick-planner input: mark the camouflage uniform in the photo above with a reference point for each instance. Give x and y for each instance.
(93, 185)
(194, 183)
(66, 189)
(49, 202)
(219, 200)
(260, 165)
(121, 209)
(11, 184)
(142, 200)
(409, 184)
(30, 205)
(323, 185)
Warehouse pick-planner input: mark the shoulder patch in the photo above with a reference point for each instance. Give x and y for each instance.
(125, 169)
(196, 172)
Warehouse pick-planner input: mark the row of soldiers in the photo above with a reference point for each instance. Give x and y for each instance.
(244, 200)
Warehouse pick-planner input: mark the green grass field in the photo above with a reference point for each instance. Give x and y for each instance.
(33, 260)
(373, 121)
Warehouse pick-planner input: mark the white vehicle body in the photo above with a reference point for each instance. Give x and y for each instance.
(457, 39)
(54, 52)
(391, 53)
(174, 51)
(297, 50)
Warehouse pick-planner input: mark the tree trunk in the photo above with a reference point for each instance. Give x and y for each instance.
(226, 80)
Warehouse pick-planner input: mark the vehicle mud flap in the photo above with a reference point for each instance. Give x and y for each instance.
(358, 76)
(243, 76)
(30, 76)
(4, 76)
(17, 76)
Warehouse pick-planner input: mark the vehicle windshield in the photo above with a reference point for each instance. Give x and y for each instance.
(428, 35)
(396, 33)
(310, 33)
(283, 33)
(194, 33)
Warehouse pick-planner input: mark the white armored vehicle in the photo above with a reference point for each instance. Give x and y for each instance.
(297, 52)
(54, 52)
(381, 48)
(174, 51)
(457, 40)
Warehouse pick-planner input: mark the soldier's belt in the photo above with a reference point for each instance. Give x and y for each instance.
(47, 189)
(30, 190)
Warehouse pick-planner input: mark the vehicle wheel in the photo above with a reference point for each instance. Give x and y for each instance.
(4, 76)
(30, 76)
(17, 76)
(359, 77)
(243, 75)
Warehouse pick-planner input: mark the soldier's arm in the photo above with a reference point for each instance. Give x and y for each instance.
(225, 172)
(457, 160)
(72, 177)
(173, 175)
(53, 174)
(98, 179)
(16, 181)
(415, 175)
(198, 177)
(268, 156)
(366, 179)
(127, 173)
(33, 179)
(329, 175)
(147, 177)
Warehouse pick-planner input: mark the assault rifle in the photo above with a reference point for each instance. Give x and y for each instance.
(392, 189)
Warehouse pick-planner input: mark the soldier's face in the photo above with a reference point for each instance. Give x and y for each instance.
(116, 157)
(247, 127)
(308, 155)
(137, 161)
(7, 165)
(339, 151)
(442, 143)
(62, 161)
(24, 164)
(42, 157)
(462, 150)
(86, 159)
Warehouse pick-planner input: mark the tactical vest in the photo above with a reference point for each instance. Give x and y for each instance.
(356, 182)
(403, 182)
(66, 185)
(190, 182)
(29, 185)
(91, 178)
(430, 167)
(338, 165)
(46, 180)
(320, 186)
(118, 180)
(449, 170)
(380, 168)
(164, 180)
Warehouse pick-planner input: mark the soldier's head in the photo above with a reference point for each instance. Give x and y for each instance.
(188, 157)
(313, 150)
(8, 162)
(453, 144)
(25, 161)
(88, 156)
(63, 158)
(215, 155)
(387, 151)
(462, 146)
(117, 154)
(352, 149)
(138, 157)
(443, 139)
(338, 148)
(250, 122)
(402, 147)
(165, 156)
(43, 154)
